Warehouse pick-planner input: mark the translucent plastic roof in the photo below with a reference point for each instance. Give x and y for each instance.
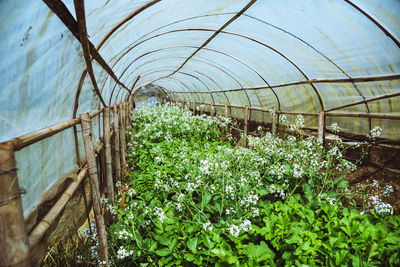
(246, 52)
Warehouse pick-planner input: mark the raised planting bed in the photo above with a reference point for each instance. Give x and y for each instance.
(194, 198)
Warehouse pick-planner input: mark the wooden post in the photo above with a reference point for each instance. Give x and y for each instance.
(107, 150)
(274, 121)
(116, 143)
(183, 104)
(194, 109)
(212, 109)
(14, 247)
(94, 186)
(246, 120)
(226, 110)
(321, 126)
(122, 142)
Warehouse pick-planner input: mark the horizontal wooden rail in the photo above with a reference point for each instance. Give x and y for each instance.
(359, 115)
(33, 137)
(40, 229)
(312, 81)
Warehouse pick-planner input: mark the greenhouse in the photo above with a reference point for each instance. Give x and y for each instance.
(200, 133)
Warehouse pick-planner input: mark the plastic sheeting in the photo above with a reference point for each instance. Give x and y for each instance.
(271, 43)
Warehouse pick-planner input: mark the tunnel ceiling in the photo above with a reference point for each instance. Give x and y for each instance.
(305, 56)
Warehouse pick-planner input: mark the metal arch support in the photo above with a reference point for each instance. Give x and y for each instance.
(187, 74)
(204, 62)
(242, 62)
(237, 15)
(195, 47)
(383, 29)
(108, 35)
(211, 92)
(143, 76)
(191, 70)
(190, 29)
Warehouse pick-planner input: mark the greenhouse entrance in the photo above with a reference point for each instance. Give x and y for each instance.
(181, 133)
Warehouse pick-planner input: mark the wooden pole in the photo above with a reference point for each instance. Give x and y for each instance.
(211, 109)
(107, 150)
(226, 110)
(321, 126)
(122, 142)
(194, 109)
(246, 121)
(40, 229)
(274, 121)
(94, 187)
(14, 247)
(116, 143)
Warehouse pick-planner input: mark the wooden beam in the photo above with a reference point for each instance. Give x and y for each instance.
(40, 229)
(314, 81)
(122, 136)
(116, 143)
(246, 121)
(14, 247)
(107, 150)
(386, 96)
(59, 8)
(83, 36)
(94, 187)
(321, 126)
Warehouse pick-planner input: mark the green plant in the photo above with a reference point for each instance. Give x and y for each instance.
(193, 198)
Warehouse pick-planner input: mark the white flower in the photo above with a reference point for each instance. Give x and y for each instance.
(387, 190)
(246, 225)
(375, 132)
(207, 226)
(259, 128)
(160, 214)
(297, 171)
(299, 121)
(123, 253)
(335, 127)
(234, 230)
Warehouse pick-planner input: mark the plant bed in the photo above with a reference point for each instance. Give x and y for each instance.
(194, 198)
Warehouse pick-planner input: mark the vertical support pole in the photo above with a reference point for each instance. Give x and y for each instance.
(116, 144)
(107, 150)
(274, 121)
(183, 104)
(194, 109)
(14, 247)
(321, 126)
(94, 187)
(211, 109)
(226, 110)
(122, 142)
(246, 121)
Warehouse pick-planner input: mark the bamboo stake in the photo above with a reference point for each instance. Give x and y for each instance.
(246, 120)
(94, 187)
(321, 127)
(14, 247)
(116, 143)
(122, 142)
(40, 229)
(83, 37)
(107, 150)
(274, 121)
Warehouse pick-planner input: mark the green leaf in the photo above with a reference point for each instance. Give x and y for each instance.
(163, 252)
(192, 243)
(260, 252)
